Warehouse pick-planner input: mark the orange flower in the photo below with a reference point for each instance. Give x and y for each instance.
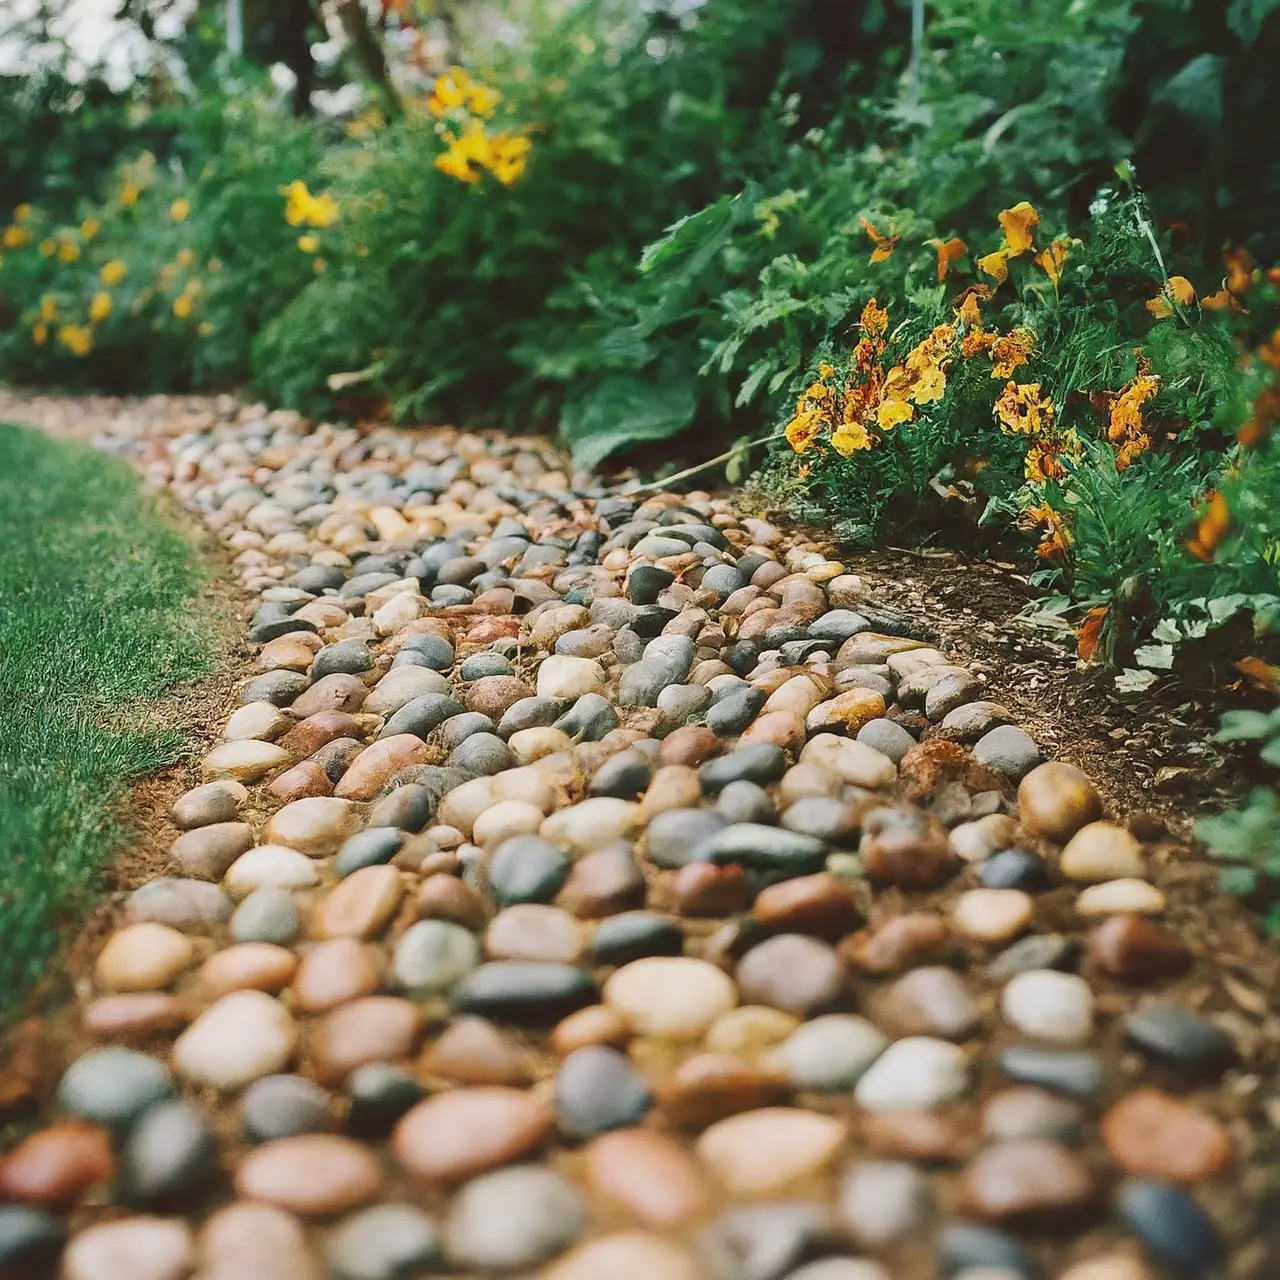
(1057, 539)
(977, 343)
(1177, 290)
(850, 438)
(949, 251)
(1223, 300)
(874, 320)
(1050, 260)
(1240, 269)
(1018, 225)
(1211, 528)
(884, 244)
(1010, 352)
(995, 265)
(1126, 408)
(1090, 631)
(802, 430)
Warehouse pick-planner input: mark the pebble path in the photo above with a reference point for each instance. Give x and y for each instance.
(604, 887)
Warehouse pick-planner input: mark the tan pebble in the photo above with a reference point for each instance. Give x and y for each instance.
(596, 1024)
(1032, 1178)
(142, 1248)
(1101, 851)
(1115, 1266)
(374, 766)
(710, 1086)
(797, 696)
(292, 652)
(143, 957)
(1055, 800)
(763, 1153)
(257, 966)
(649, 1176)
(261, 720)
(531, 931)
(671, 997)
(528, 745)
(750, 1030)
(333, 972)
(464, 804)
(674, 786)
(360, 906)
(783, 729)
(445, 897)
(241, 1037)
(626, 1255)
(1113, 897)
(456, 1135)
(316, 826)
(506, 819)
(244, 761)
(246, 1240)
(847, 711)
(992, 915)
(314, 1175)
(270, 866)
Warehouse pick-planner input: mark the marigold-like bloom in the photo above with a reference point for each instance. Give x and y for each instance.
(22, 213)
(39, 333)
(113, 272)
(884, 244)
(874, 320)
(1051, 260)
(304, 209)
(949, 251)
(851, 437)
(1011, 351)
(1056, 543)
(16, 237)
(100, 307)
(309, 244)
(802, 430)
(1176, 290)
(68, 251)
(183, 306)
(1021, 411)
(508, 156)
(129, 194)
(893, 412)
(48, 307)
(90, 228)
(995, 265)
(1211, 528)
(180, 210)
(48, 247)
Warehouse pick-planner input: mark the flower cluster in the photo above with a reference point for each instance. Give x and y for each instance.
(462, 105)
(847, 409)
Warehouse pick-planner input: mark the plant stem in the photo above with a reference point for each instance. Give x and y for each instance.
(710, 462)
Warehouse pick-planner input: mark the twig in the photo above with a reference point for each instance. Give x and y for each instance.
(710, 462)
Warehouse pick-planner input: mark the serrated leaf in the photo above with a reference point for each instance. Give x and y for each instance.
(1131, 681)
(1158, 656)
(687, 246)
(751, 384)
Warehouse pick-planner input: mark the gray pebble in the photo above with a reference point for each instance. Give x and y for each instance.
(513, 1219)
(433, 956)
(598, 1089)
(383, 1242)
(283, 1106)
(1008, 750)
(113, 1086)
(267, 915)
(170, 1151)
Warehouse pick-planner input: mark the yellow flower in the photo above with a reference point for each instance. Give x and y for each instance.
(39, 333)
(204, 328)
(1051, 260)
(1045, 459)
(185, 257)
(68, 251)
(1018, 225)
(481, 100)
(183, 306)
(48, 307)
(1126, 409)
(850, 437)
(113, 272)
(309, 244)
(304, 209)
(22, 213)
(893, 412)
(826, 370)
(100, 307)
(995, 265)
(507, 157)
(48, 247)
(803, 429)
(456, 166)
(450, 91)
(90, 228)
(76, 338)
(1020, 410)
(318, 265)
(15, 237)
(1011, 351)
(129, 194)
(180, 209)
(215, 265)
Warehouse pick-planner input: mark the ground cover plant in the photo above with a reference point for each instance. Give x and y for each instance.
(96, 623)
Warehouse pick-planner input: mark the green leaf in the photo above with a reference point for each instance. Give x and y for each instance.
(751, 384)
(687, 246)
(1243, 726)
(1270, 754)
(624, 410)
(1196, 90)
(1245, 17)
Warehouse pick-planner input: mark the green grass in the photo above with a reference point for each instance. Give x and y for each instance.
(97, 622)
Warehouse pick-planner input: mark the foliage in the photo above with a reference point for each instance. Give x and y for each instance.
(96, 621)
(1248, 840)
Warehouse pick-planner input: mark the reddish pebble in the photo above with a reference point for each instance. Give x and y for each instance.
(783, 729)
(1137, 950)
(315, 1175)
(1154, 1135)
(1033, 1180)
(334, 972)
(703, 889)
(55, 1167)
(134, 1017)
(916, 1135)
(710, 1086)
(305, 779)
(309, 735)
(690, 745)
(372, 1029)
(456, 1135)
(474, 1051)
(256, 966)
(649, 1176)
(445, 897)
(818, 904)
(915, 938)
